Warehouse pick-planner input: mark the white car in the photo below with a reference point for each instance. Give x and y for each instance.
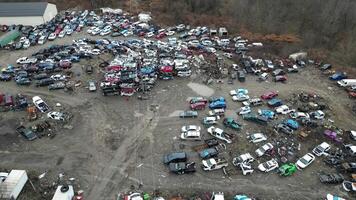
(216, 112)
(207, 43)
(238, 91)
(268, 166)
(243, 159)
(240, 97)
(297, 115)
(41, 40)
(190, 128)
(262, 150)
(52, 36)
(321, 149)
(95, 51)
(62, 34)
(244, 110)
(352, 134)
(170, 33)
(40, 104)
(305, 161)
(25, 60)
(150, 34)
(211, 120)
(211, 50)
(56, 116)
(105, 32)
(69, 31)
(58, 77)
(219, 134)
(22, 39)
(26, 44)
(246, 169)
(185, 73)
(190, 135)
(92, 86)
(257, 137)
(317, 114)
(349, 186)
(22, 60)
(284, 109)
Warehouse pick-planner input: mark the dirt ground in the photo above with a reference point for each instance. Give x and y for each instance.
(118, 142)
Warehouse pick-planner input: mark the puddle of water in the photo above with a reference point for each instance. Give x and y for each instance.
(201, 89)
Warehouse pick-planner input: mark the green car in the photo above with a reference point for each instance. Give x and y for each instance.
(231, 123)
(254, 118)
(287, 169)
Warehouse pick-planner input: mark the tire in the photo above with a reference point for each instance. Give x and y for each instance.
(64, 188)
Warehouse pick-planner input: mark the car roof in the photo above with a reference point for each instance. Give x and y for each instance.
(193, 133)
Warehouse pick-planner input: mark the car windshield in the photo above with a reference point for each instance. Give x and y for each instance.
(266, 165)
(304, 161)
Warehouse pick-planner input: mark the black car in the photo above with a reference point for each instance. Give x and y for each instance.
(23, 81)
(175, 157)
(331, 178)
(347, 167)
(40, 76)
(26, 132)
(241, 76)
(182, 167)
(89, 69)
(284, 129)
(44, 82)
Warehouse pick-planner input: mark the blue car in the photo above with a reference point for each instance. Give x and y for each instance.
(269, 114)
(213, 99)
(217, 105)
(147, 70)
(291, 123)
(208, 153)
(74, 58)
(338, 76)
(275, 103)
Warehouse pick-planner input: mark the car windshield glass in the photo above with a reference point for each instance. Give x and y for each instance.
(304, 161)
(265, 165)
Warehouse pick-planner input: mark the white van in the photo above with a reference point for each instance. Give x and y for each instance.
(347, 82)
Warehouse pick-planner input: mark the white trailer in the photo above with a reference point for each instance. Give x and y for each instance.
(13, 184)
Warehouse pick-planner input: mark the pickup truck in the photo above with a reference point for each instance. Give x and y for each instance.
(220, 134)
(214, 164)
(40, 104)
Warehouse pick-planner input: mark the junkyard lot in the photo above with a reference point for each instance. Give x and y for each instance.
(116, 142)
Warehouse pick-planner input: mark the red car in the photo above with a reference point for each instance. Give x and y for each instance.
(198, 106)
(166, 69)
(160, 35)
(269, 95)
(352, 94)
(281, 78)
(65, 64)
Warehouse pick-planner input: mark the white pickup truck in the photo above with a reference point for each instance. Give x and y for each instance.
(40, 104)
(214, 164)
